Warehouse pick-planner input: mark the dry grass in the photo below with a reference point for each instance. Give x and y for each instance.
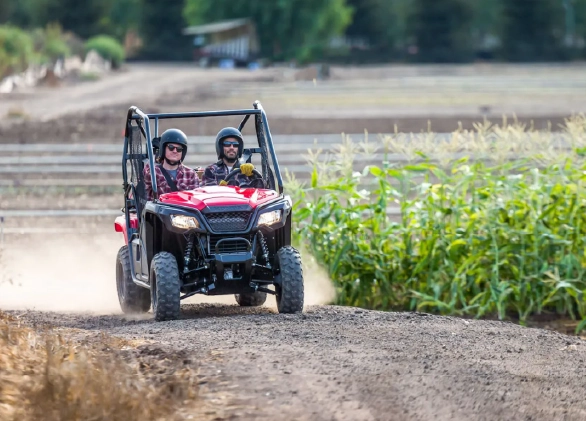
(510, 140)
(44, 376)
(490, 142)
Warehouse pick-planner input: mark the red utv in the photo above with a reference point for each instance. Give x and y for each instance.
(213, 240)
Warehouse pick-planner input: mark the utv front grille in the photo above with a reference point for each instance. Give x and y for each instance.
(228, 221)
(228, 245)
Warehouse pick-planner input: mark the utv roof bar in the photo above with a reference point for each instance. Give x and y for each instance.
(162, 116)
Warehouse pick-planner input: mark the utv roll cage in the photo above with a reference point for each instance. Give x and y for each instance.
(138, 124)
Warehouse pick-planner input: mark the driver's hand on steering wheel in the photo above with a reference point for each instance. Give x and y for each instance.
(247, 169)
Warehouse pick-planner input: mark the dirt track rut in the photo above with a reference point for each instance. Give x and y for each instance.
(335, 363)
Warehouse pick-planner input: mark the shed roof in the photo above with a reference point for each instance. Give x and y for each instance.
(221, 26)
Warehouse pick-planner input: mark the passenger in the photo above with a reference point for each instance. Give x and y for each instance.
(170, 173)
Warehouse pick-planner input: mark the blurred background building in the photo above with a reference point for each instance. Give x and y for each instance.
(233, 41)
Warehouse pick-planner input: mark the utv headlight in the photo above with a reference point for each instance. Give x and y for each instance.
(269, 218)
(184, 222)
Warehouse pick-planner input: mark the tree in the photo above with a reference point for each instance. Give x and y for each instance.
(486, 18)
(532, 30)
(161, 26)
(287, 29)
(123, 16)
(84, 19)
(442, 30)
(383, 24)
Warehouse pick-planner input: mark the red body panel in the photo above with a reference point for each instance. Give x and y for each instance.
(219, 196)
(120, 224)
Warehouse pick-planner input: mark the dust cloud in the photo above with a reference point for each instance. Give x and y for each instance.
(318, 286)
(77, 273)
(60, 273)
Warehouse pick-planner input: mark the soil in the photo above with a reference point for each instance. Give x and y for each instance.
(352, 101)
(340, 363)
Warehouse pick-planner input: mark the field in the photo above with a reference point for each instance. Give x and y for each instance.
(60, 191)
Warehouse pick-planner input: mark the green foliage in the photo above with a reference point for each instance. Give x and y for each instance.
(50, 43)
(55, 48)
(19, 49)
(382, 23)
(442, 30)
(16, 50)
(468, 237)
(161, 27)
(108, 48)
(82, 18)
(532, 30)
(287, 29)
(110, 17)
(124, 15)
(580, 17)
(23, 13)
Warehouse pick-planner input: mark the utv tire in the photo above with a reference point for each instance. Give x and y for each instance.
(133, 299)
(165, 287)
(251, 299)
(290, 293)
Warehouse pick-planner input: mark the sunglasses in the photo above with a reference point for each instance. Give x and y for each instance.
(229, 143)
(174, 148)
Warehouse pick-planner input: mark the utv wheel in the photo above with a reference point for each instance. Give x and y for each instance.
(165, 287)
(289, 294)
(251, 299)
(133, 299)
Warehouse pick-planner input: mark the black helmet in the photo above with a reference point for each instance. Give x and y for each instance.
(172, 136)
(225, 133)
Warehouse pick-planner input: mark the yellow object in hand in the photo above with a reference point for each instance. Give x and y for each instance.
(223, 183)
(247, 169)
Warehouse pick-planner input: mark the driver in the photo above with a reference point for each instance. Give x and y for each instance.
(229, 147)
(170, 173)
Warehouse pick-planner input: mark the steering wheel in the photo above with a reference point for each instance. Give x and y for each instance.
(254, 179)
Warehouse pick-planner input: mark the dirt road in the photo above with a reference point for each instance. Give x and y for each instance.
(335, 363)
(138, 83)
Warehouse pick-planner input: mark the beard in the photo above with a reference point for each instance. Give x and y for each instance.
(230, 160)
(172, 163)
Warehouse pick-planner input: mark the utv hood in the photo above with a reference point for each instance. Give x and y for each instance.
(215, 196)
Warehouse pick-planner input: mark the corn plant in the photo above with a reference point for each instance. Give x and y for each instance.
(497, 230)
